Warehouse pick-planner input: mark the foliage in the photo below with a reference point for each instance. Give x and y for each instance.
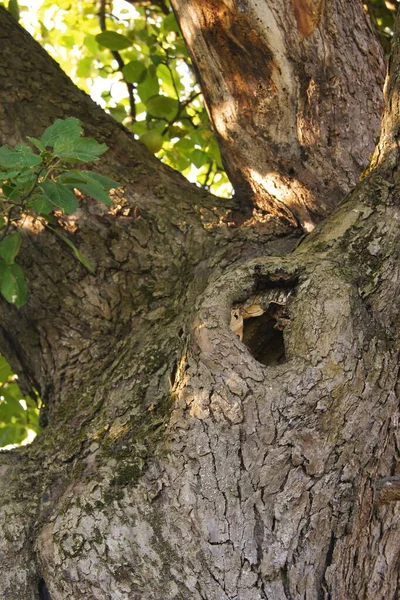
(19, 416)
(39, 182)
(131, 57)
(382, 14)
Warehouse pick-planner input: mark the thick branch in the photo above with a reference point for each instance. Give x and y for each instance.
(294, 93)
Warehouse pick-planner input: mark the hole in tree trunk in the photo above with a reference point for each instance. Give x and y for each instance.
(259, 323)
(264, 339)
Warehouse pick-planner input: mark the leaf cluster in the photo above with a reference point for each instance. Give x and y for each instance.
(39, 181)
(132, 59)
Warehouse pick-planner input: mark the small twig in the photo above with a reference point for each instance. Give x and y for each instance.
(116, 55)
(8, 224)
(190, 99)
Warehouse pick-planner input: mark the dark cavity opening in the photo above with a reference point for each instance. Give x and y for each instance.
(43, 591)
(263, 335)
(259, 320)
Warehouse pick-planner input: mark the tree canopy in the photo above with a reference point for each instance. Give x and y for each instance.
(131, 57)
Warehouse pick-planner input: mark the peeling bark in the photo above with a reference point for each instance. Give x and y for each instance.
(175, 464)
(293, 90)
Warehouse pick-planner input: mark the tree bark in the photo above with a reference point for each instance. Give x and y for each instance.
(179, 461)
(294, 91)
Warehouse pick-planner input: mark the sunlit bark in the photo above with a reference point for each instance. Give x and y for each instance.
(294, 93)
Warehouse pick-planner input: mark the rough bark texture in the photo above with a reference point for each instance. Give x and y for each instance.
(294, 90)
(174, 464)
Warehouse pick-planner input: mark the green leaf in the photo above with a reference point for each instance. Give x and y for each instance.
(9, 247)
(41, 205)
(70, 177)
(155, 59)
(134, 72)
(198, 158)
(75, 250)
(162, 107)
(23, 182)
(178, 161)
(12, 434)
(91, 45)
(67, 129)
(64, 146)
(25, 178)
(60, 196)
(6, 175)
(13, 390)
(118, 112)
(14, 9)
(20, 156)
(91, 184)
(12, 284)
(113, 40)
(170, 24)
(214, 153)
(139, 127)
(174, 131)
(181, 50)
(32, 413)
(6, 411)
(168, 84)
(8, 190)
(36, 143)
(185, 145)
(82, 150)
(150, 86)
(67, 41)
(106, 182)
(11, 403)
(95, 191)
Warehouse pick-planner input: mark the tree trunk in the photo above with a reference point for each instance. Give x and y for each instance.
(220, 400)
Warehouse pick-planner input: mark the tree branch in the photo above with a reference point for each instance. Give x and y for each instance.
(117, 56)
(289, 142)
